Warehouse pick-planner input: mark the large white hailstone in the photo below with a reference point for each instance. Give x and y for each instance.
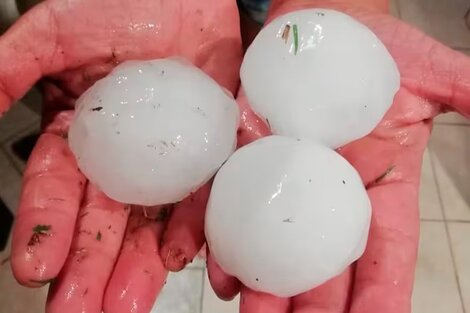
(284, 216)
(152, 132)
(319, 74)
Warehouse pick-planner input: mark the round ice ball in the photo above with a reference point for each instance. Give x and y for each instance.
(152, 132)
(284, 216)
(319, 74)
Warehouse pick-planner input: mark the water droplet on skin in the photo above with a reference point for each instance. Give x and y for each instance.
(402, 137)
(143, 27)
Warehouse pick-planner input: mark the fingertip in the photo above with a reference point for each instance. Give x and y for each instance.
(184, 236)
(174, 258)
(5, 103)
(226, 287)
(139, 274)
(38, 255)
(45, 220)
(133, 286)
(25, 276)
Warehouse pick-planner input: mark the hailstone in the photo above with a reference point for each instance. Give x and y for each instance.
(319, 74)
(284, 215)
(152, 132)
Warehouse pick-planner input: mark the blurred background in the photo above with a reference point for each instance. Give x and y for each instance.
(442, 282)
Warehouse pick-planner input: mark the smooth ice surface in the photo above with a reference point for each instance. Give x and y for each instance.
(319, 74)
(151, 132)
(284, 216)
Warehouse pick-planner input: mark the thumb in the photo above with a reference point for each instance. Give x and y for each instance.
(25, 49)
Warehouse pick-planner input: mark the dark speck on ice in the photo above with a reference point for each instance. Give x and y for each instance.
(200, 111)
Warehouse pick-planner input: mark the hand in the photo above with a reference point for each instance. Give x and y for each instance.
(66, 230)
(434, 79)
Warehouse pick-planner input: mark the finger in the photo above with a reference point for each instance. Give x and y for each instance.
(434, 71)
(83, 279)
(184, 236)
(44, 41)
(256, 302)
(331, 297)
(405, 128)
(34, 47)
(252, 127)
(387, 266)
(58, 109)
(25, 49)
(50, 199)
(139, 274)
(226, 287)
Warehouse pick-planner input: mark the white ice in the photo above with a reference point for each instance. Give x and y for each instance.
(152, 132)
(285, 216)
(319, 74)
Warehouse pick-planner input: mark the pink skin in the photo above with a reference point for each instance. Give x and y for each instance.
(71, 44)
(434, 79)
(255, 302)
(98, 234)
(76, 43)
(44, 201)
(225, 287)
(139, 273)
(184, 235)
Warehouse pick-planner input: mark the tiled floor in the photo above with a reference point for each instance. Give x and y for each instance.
(443, 272)
(442, 281)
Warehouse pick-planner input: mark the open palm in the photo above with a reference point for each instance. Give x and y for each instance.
(433, 79)
(66, 231)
